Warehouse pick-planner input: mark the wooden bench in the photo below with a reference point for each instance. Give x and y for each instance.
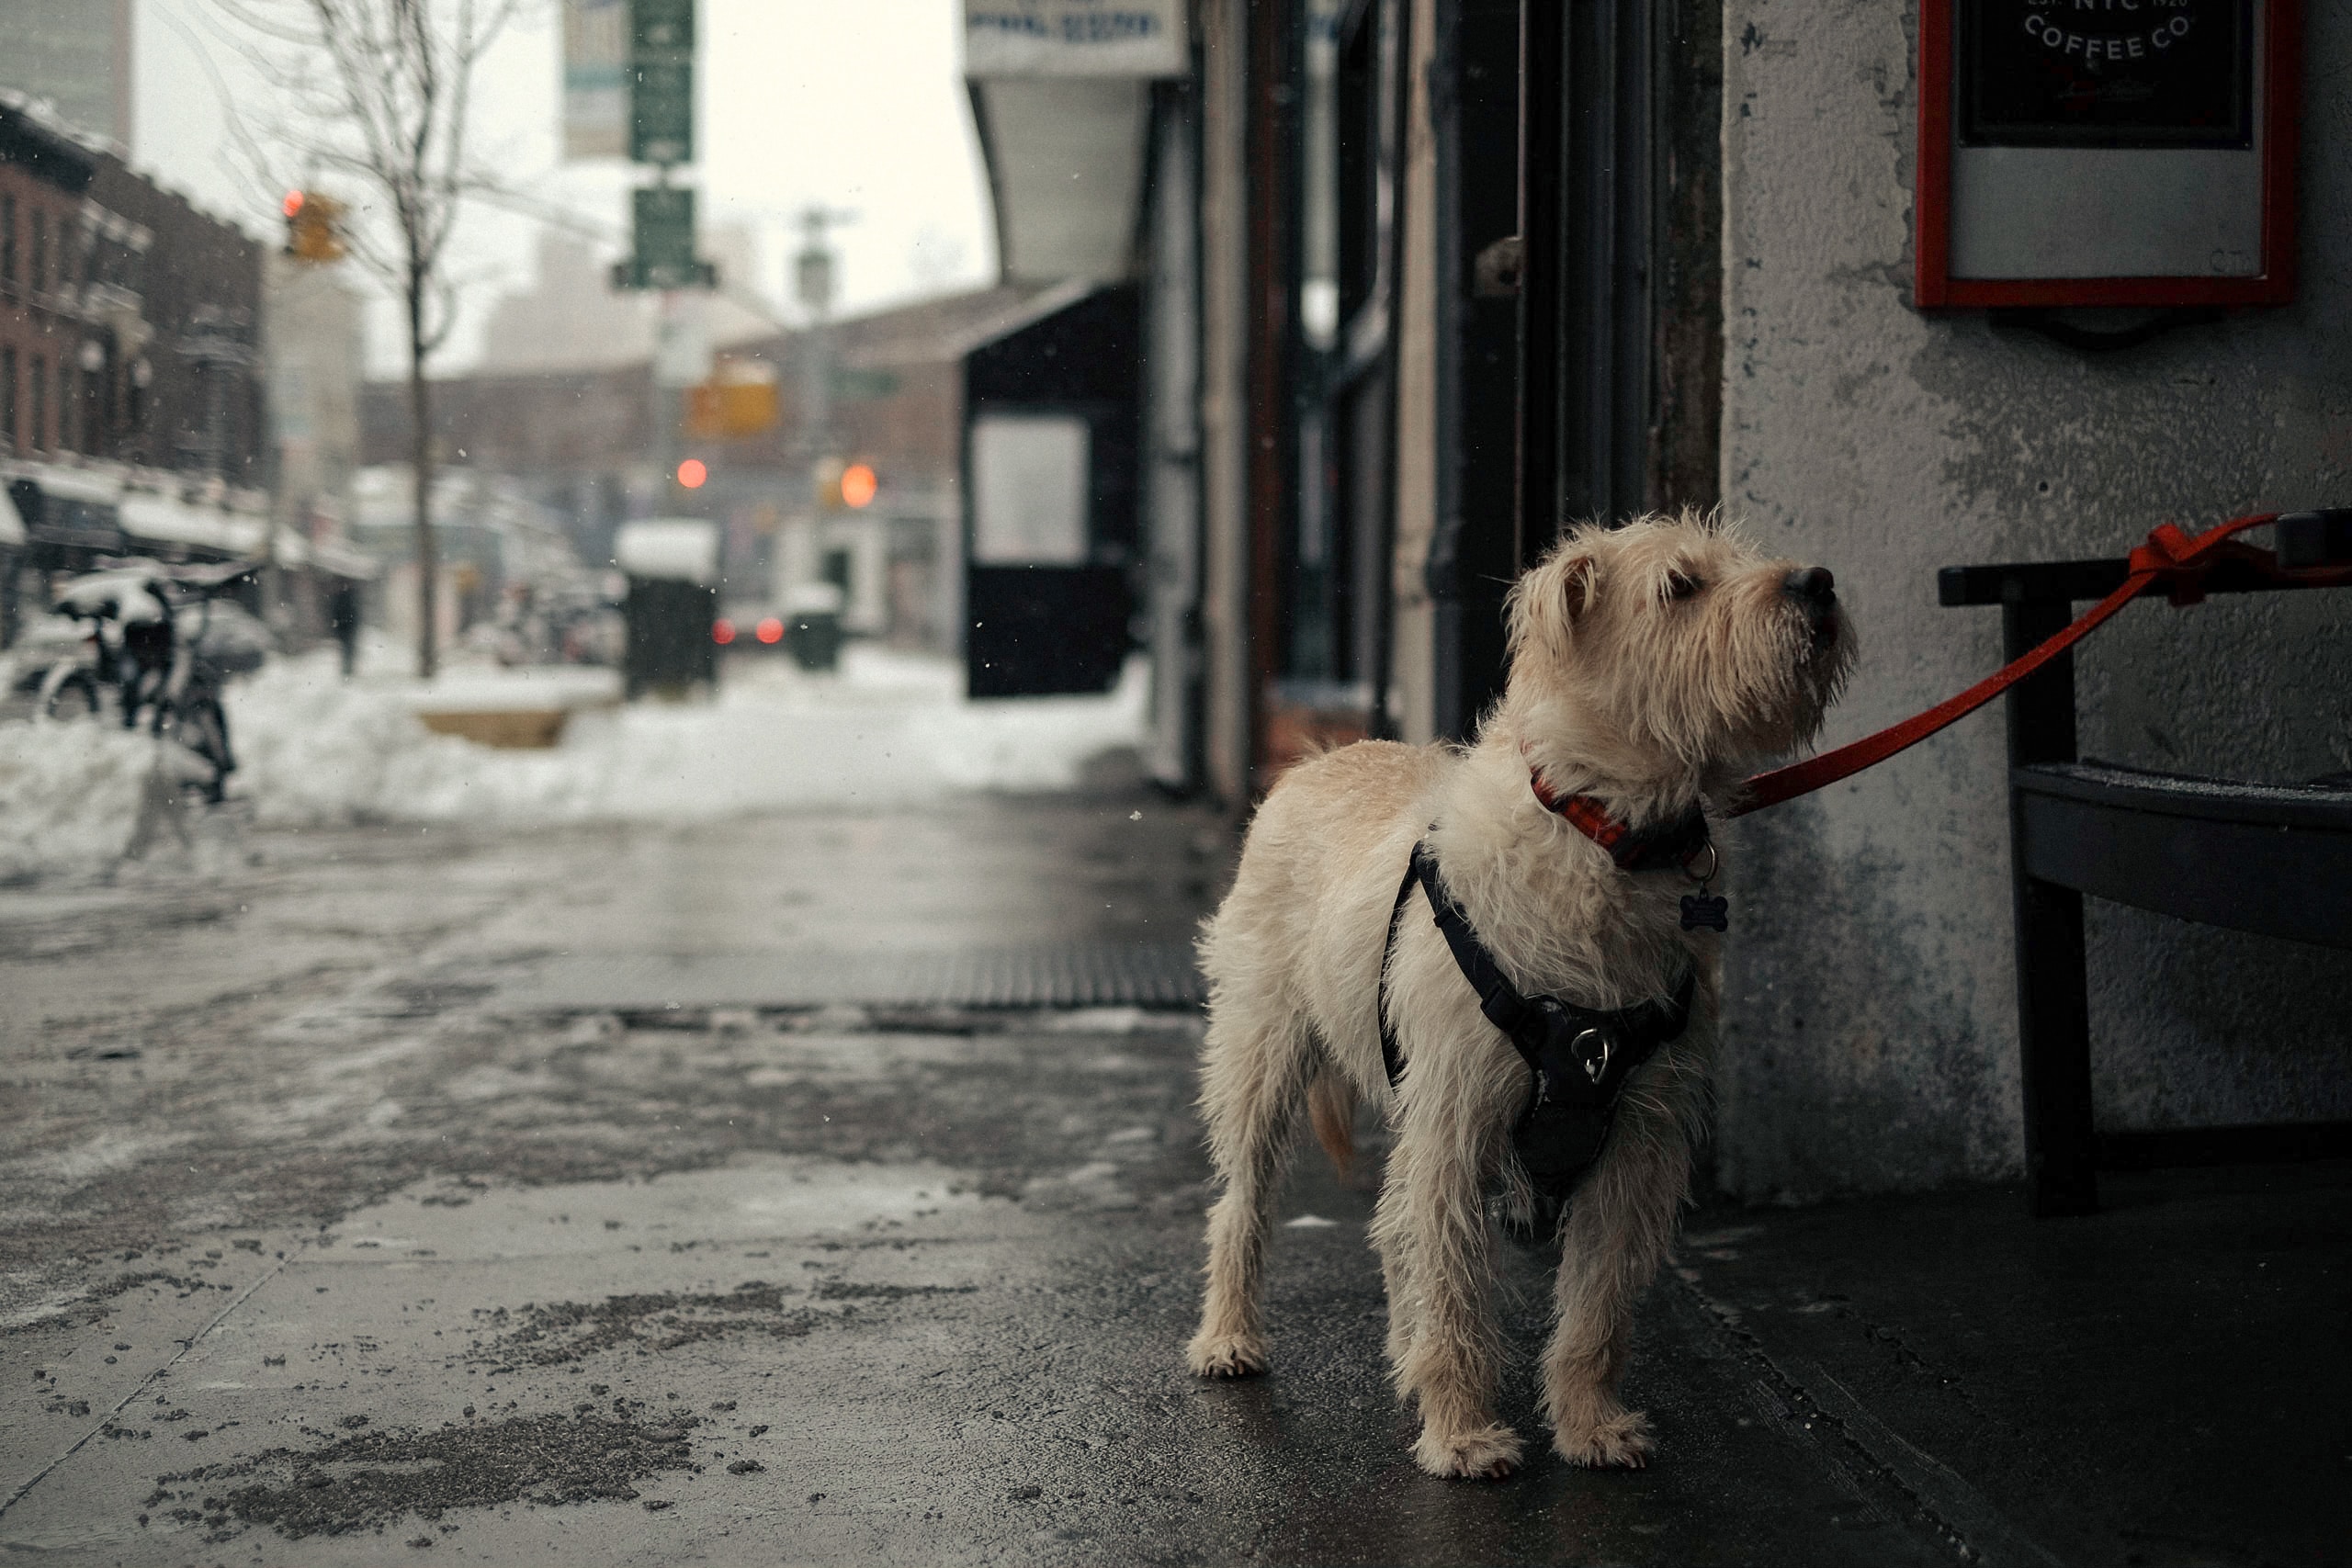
(2273, 860)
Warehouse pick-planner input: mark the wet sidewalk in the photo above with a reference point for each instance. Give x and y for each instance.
(602, 1194)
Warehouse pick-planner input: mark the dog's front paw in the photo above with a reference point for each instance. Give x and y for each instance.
(1226, 1354)
(1483, 1454)
(1621, 1442)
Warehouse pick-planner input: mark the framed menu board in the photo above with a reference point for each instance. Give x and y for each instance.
(2106, 151)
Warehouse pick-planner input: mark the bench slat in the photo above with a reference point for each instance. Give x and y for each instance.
(2155, 1148)
(2067, 581)
(2274, 861)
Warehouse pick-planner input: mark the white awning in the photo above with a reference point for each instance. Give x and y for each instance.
(70, 484)
(1066, 162)
(1062, 92)
(339, 560)
(161, 520)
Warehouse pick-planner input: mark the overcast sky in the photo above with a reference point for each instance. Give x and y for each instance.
(854, 104)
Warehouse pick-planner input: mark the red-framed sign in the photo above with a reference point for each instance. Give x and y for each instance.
(2107, 152)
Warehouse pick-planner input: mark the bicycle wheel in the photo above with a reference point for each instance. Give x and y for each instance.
(74, 696)
(199, 724)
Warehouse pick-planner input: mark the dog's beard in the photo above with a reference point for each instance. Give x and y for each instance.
(1774, 688)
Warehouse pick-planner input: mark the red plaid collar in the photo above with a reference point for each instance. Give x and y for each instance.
(1665, 846)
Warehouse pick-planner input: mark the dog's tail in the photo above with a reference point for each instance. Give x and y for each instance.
(1331, 1110)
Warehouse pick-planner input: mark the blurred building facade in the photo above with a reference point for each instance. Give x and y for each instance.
(1425, 282)
(587, 443)
(133, 317)
(130, 384)
(75, 55)
(314, 349)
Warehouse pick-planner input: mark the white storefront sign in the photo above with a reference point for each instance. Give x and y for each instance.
(1075, 38)
(596, 79)
(1029, 479)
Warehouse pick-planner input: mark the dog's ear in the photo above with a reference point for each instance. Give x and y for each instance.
(1545, 605)
(1577, 575)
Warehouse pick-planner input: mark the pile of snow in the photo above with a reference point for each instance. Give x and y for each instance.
(889, 729)
(70, 794)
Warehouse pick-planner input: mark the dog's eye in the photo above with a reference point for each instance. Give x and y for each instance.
(1681, 585)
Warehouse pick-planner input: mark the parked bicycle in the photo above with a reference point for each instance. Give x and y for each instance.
(162, 644)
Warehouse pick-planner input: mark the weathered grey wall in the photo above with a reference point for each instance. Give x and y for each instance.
(1872, 1042)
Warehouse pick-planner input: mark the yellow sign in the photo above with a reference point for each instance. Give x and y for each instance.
(739, 401)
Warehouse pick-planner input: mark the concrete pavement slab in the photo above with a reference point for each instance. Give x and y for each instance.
(793, 1360)
(946, 1257)
(70, 1361)
(2166, 1383)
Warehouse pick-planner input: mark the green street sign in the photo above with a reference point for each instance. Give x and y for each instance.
(661, 24)
(664, 225)
(664, 255)
(662, 107)
(864, 386)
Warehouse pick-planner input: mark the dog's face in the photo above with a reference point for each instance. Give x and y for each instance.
(1672, 648)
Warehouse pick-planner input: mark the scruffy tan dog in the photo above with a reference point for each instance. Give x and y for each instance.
(1651, 666)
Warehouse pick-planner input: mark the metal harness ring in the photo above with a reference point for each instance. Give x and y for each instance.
(1595, 1070)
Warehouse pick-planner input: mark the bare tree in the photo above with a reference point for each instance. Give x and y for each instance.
(375, 95)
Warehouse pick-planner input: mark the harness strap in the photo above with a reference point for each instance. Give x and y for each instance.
(1580, 1055)
(1390, 1056)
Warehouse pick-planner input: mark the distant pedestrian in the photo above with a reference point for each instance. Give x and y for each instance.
(342, 619)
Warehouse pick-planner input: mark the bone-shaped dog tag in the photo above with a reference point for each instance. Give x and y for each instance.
(1705, 910)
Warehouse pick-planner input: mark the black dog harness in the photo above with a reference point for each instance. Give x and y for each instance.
(1581, 1056)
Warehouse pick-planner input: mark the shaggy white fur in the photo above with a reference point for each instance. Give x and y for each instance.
(1652, 666)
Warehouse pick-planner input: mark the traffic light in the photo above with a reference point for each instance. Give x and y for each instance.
(845, 487)
(313, 227)
(662, 82)
(858, 485)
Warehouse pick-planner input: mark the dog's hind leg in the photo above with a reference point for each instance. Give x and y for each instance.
(1256, 1064)
(1430, 1228)
(1621, 1222)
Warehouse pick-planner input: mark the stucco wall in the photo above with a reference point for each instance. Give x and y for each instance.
(1870, 1040)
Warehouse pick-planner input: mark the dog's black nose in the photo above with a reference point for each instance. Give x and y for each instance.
(1811, 585)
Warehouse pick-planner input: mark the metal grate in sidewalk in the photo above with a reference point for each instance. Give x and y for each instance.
(1159, 975)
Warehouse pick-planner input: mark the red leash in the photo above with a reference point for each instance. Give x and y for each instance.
(2170, 556)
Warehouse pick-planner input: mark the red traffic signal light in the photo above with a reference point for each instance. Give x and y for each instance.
(692, 473)
(858, 485)
(313, 227)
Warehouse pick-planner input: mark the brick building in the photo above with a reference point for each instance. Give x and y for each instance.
(128, 317)
(131, 410)
(189, 395)
(45, 218)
